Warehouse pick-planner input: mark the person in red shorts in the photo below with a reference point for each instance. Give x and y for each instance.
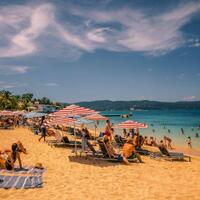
(108, 129)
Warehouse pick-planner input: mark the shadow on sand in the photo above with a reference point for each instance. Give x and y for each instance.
(87, 160)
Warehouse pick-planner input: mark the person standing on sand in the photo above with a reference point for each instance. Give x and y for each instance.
(182, 131)
(167, 142)
(108, 129)
(189, 142)
(43, 133)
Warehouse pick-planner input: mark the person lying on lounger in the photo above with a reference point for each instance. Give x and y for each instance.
(111, 151)
(129, 151)
(9, 157)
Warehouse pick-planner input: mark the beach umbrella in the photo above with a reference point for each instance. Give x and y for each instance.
(34, 115)
(131, 124)
(6, 113)
(19, 112)
(73, 110)
(61, 121)
(96, 117)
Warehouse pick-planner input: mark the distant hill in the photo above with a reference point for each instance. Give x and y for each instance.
(144, 105)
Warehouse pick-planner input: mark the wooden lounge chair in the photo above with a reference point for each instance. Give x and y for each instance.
(173, 156)
(62, 141)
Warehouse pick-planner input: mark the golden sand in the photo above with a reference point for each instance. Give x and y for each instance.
(70, 177)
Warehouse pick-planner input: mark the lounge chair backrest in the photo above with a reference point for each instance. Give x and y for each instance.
(58, 136)
(118, 140)
(91, 147)
(103, 148)
(164, 151)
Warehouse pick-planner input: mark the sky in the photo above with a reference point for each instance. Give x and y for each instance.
(82, 50)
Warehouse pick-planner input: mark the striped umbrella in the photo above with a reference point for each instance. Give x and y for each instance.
(6, 113)
(96, 117)
(73, 110)
(131, 124)
(61, 121)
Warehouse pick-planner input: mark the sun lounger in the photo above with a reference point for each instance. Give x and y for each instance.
(119, 140)
(143, 152)
(171, 156)
(20, 182)
(62, 141)
(108, 157)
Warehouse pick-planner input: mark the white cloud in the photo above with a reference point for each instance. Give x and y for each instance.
(36, 29)
(194, 42)
(149, 69)
(51, 84)
(10, 70)
(190, 98)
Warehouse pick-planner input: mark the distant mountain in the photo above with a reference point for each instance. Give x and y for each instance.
(144, 105)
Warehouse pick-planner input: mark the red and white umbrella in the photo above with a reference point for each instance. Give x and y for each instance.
(73, 110)
(61, 121)
(6, 113)
(131, 124)
(96, 117)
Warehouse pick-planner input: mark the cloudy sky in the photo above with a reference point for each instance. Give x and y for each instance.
(102, 49)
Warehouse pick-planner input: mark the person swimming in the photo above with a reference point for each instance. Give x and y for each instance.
(169, 131)
(197, 135)
(182, 131)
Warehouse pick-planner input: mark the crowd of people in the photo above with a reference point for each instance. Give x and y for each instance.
(130, 140)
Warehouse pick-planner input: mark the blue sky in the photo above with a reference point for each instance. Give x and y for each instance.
(85, 50)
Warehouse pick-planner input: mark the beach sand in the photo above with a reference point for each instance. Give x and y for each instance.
(70, 177)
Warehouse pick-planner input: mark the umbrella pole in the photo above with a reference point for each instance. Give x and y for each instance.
(95, 131)
(75, 140)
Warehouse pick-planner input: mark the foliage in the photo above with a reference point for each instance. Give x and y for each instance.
(8, 101)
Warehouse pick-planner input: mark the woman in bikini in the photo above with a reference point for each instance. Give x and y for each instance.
(8, 159)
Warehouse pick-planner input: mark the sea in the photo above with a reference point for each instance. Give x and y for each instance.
(164, 123)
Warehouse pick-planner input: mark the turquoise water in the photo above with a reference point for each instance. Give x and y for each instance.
(174, 120)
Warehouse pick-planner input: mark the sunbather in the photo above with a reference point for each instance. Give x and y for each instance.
(8, 158)
(111, 151)
(129, 151)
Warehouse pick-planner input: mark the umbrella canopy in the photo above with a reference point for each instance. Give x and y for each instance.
(131, 124)
(73, 110)
(19, 112)
(33, 115)
(83, 121)
(6, 113)
(61, 121)
(96, 117)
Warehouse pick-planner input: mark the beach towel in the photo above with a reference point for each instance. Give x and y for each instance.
(24, 170)
(19, 182)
